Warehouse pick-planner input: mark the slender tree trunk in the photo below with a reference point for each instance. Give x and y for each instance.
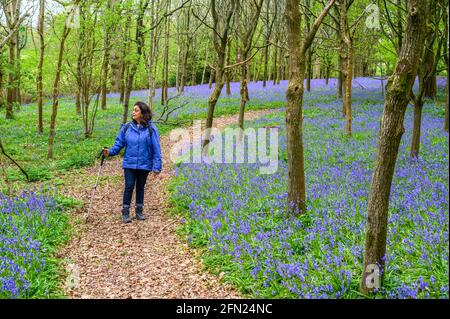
(40, 65)
(211, 78)
(397, 97)
(244, 97)
(309, 70)
(127, 92)
(275, 67)
(446, 107)
(344, 51)
(123, 82)
(11, 92)
(348, 90)
(79, 75)
(18, 97)
(327, 74)
(193, 74)
(212, 101)
(204, 68)
(78, 103)
(177, 74)
(339, 79)
(2, 98)
(266, 65)
(56, 92)
(165, 76)
(248, 65)
(124, 65)
(184, 70)
(446, 21)
(153, 56)
(227, 73)
(309, 51)
(280, 68)
(415, 144)
(257, 74)
(105, 69)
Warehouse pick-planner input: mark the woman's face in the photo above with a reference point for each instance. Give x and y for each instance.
(137, 115)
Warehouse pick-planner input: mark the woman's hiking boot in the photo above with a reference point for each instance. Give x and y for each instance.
(139, 214)
(126, 215)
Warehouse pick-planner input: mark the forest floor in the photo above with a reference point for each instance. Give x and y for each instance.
(143, 259)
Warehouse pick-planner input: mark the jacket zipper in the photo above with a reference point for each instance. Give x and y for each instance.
(139, 137)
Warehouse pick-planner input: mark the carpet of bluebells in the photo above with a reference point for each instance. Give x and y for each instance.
(239, 215)
(31, 227)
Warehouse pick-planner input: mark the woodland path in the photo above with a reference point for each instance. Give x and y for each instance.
(143, 259)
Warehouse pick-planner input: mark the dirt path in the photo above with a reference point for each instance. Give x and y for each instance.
(144, 259)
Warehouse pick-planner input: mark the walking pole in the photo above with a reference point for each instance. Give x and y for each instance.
(96, 183)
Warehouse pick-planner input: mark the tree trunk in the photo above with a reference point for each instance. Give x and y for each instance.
(257, 74)
(204, 68)
(211, 78)
(227, 72)
(446, 21)
(397, 97)
(415, 144)
(165, 75)
(183, 70)
(124, 75)
(294, 116)
(124, 65)
(275, 67)
(79, 75)
(127, 90)
(18, 97)
(78, 103)
(344, 50)
(105, 69)
(2, 99)
(309, 70)
(266, 65)
(153, 55)
(40, 65)
(193, 74)
(327, 74)
(212, 101)
(244, 96)
(446, 107)
(11, 92)
(340, 81)
(348, 90)
(431, 86)
(309, 51)
(56, 92)
(177, 74)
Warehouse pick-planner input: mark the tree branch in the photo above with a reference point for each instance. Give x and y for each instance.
(12, 160)
(309, 38)
(251, 57)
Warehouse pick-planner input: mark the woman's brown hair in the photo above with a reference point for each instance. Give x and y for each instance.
(146, 112)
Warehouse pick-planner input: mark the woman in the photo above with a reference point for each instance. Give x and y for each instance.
(142, 156)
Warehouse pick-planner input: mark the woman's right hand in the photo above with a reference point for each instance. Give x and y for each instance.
(105, 152)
